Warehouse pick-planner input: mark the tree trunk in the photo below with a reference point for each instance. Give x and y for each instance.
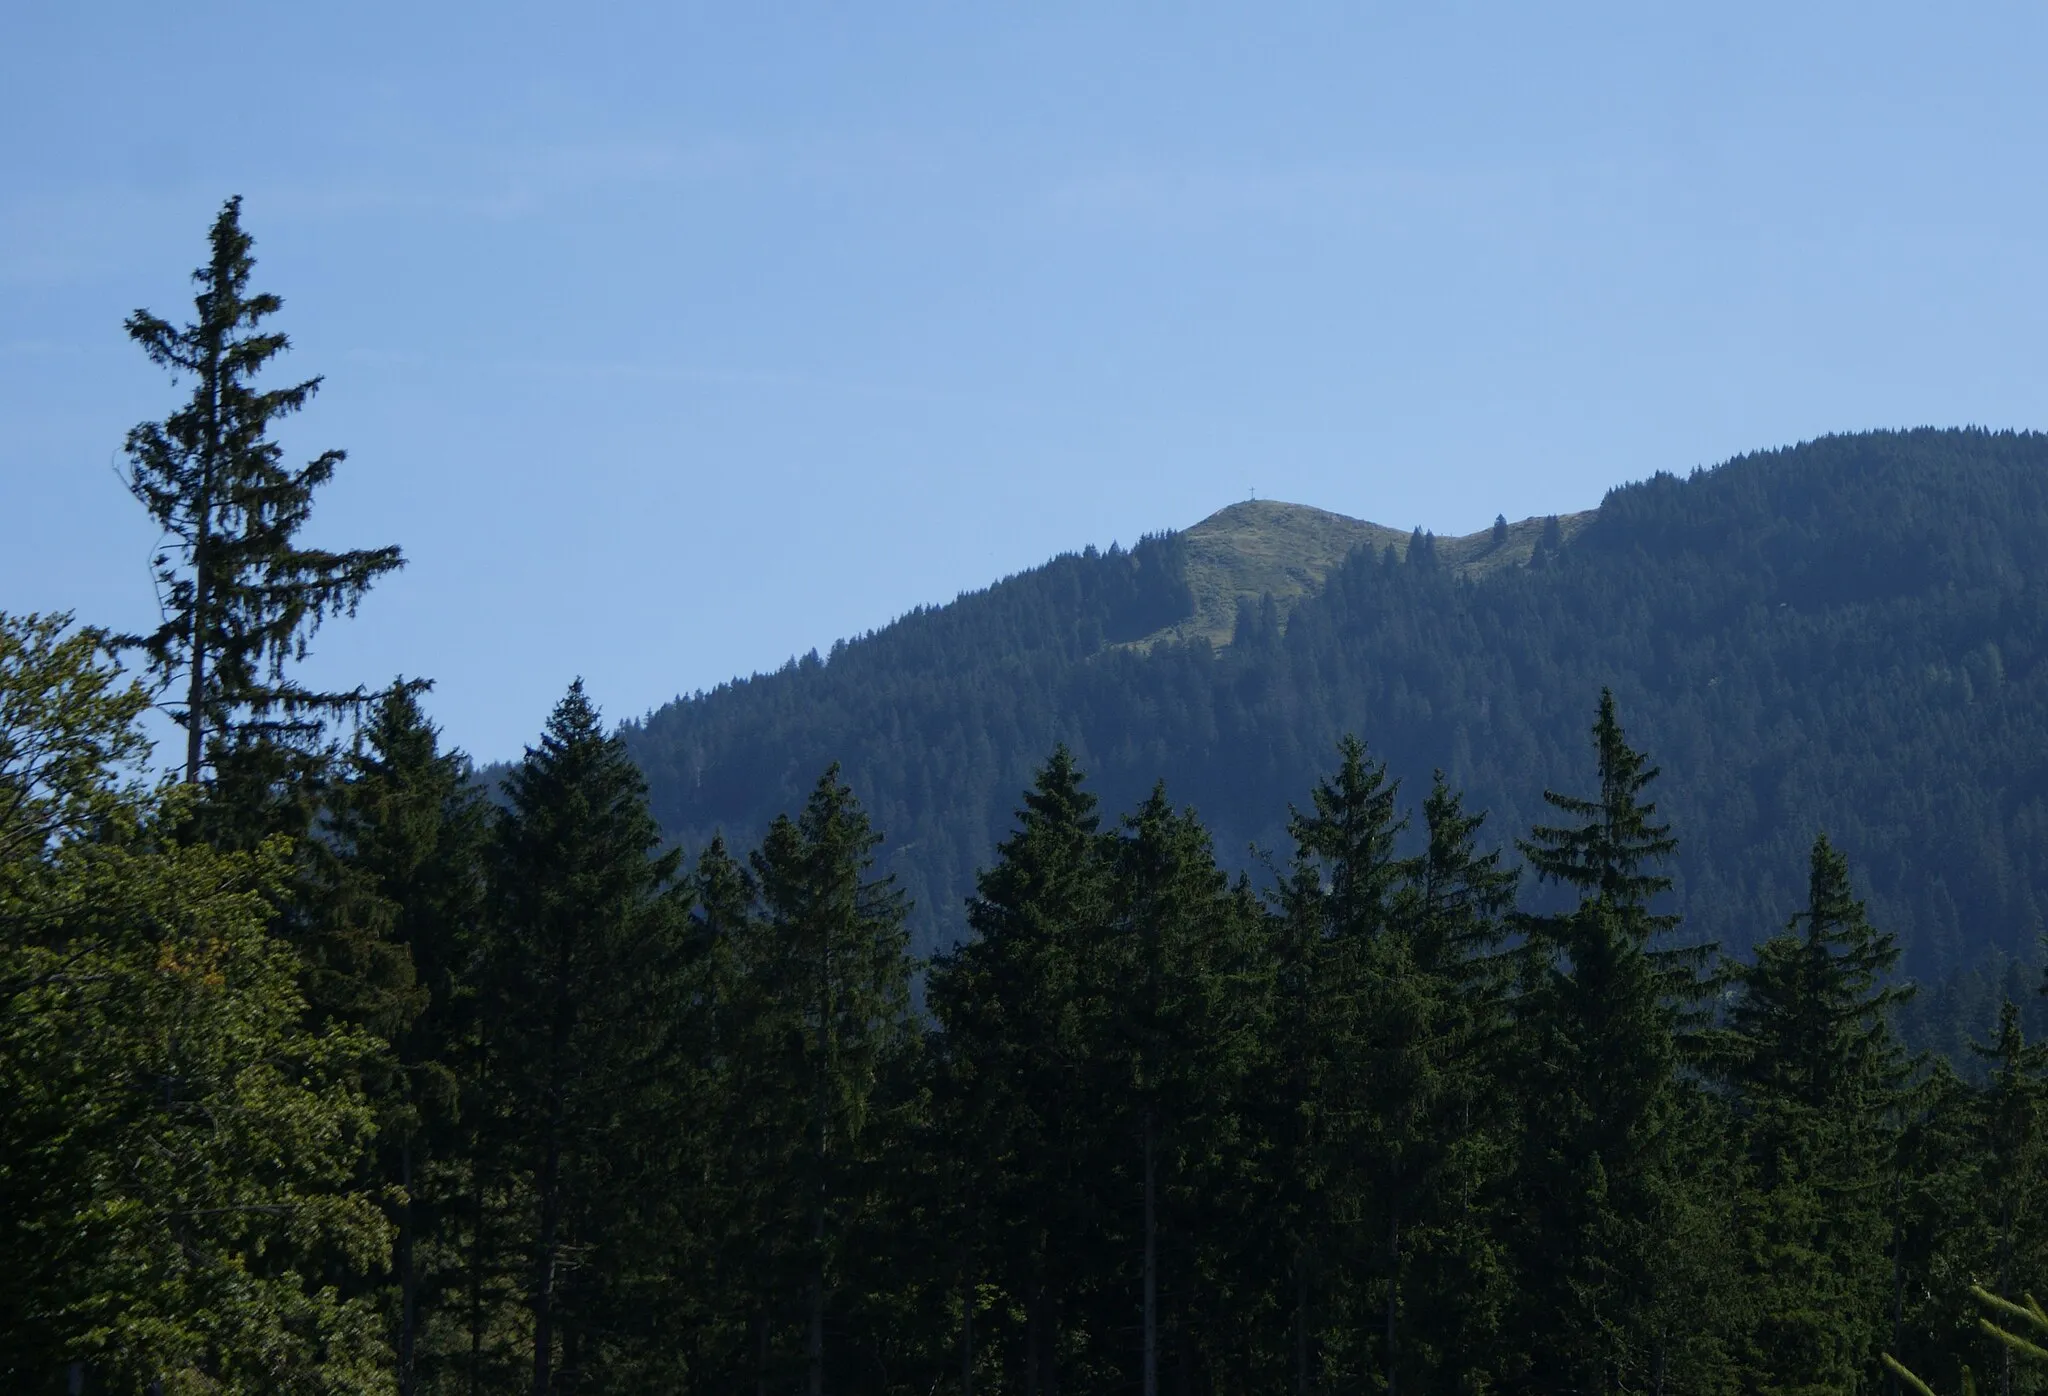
(408, 1280)
(1301, 1320)
(2005, 1230)
(1898, 1271)
(195, 692)
(966, 1321)
(1051, 1348)
(1393, 1292)
(476, 1272)
(202, 537)
(761, 1350)
(1034, 1337)
(814, 1347)
(544, 1270)
(1151, 1384)
(822, 1124)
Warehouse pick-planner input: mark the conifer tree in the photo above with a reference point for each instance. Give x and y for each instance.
(726, 1219)
(837, 975)
(1818, 1078)
(1014, 1053)
(1176, 972)
(1935, 1196)
(1446, 1275)
(241, 597)
(407, 835)
(1299, 1120)
(585, 984)
(1599, 1013)
(1336, 906)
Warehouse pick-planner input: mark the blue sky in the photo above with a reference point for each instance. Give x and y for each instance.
(671, 340)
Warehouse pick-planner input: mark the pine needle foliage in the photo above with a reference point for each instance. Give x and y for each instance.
(241, 597)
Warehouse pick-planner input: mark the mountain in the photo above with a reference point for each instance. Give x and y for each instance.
(1848, 634)
(1243, 553)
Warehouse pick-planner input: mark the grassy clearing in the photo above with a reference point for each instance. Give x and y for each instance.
(1265, 546)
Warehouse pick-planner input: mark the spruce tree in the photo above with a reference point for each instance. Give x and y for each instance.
(1599, 1014)
(1176, 976)
(1818, 1078)
(240, 596)
(407, 833)
(1443, 1137)
(836, 973)
(1935, 1195)
(1013, 1053)
(584, 979)
(1336, 907)
(744, 1217)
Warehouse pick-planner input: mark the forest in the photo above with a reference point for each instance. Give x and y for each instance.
(328, 1064)
(1844, 635)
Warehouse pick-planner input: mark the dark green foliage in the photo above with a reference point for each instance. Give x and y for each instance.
(638, 1133)
(1817, 1079)
(1601, 1178)
(241, 597)
(1445, 1154)
(179, 1154)
(1175, 1012)
(831, 980)
(1013, 1067)
(1332, 1032)
(2013, 1169)
(583, 984)
(408, 834)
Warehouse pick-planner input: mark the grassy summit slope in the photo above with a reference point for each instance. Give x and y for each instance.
(1264, 547)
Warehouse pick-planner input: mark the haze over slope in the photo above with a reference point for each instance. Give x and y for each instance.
(1844, 634)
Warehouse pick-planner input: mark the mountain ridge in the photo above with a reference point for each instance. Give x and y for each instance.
(1847, 634)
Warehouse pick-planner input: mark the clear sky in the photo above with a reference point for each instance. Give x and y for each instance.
(670, 340)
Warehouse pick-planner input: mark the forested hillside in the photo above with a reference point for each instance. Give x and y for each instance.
(1844, 635)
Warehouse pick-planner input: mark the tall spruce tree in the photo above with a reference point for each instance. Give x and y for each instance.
(1599, 1176)
(1818, 1078)
(727, 1279)
(240, 596)
(835, 973)
(1336, 907)
(585, 985)
(1176, 976)
(407, 833)
(1013, 1052)
(1441, 1145)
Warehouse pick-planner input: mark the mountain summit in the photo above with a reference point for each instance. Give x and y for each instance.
(1262, 547)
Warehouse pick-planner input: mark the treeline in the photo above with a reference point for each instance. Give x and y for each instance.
(462, 1097)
